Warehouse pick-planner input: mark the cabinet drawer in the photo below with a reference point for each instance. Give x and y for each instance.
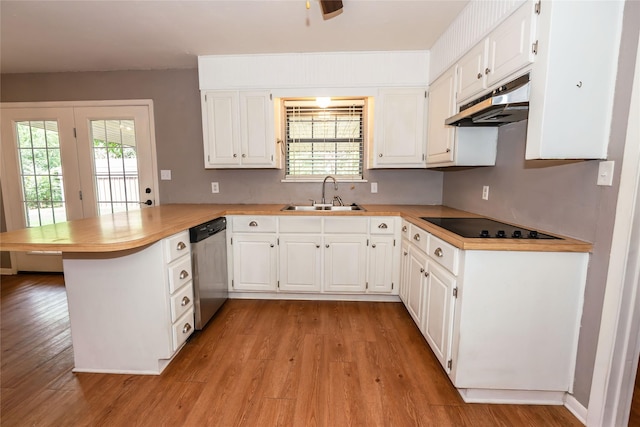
(179, 273)
(444, 254)
(419, 237)
(258, 224)
(346, 225)
(300, 224)
(405, 229)
(181, 301)
(382, 225)
(176, 246)
(182, 329)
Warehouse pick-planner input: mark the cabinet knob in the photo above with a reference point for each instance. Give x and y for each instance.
(448, 150)
(373, 245)
(426, 274)
(326, 246)
(404, 228)
(317, 246)
(487, 70)
(181, 246)
(186, 328)
(438, 252)
(235, 155)
(244, 155)
(184, 274)
(383, 226)
(422, 270)
(185, 301)
(416, 237)
(479, 76)
(271, 245)
(406, 253)
(253, 224)
(380, 155)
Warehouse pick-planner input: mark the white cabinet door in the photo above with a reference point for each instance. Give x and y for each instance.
(381, 264)
(399, 139)
(300, 263)
(238, 129)
(257, 129)
(471, 77)
(417, 270)
(220, 127)
(510, 45)
(345, 263)
(437, 312)
(254, 262)
(404, 271)
(442, 105)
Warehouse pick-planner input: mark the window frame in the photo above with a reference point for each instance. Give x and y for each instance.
(341, 101)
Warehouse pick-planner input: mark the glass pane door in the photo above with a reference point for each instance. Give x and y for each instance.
(116, 158)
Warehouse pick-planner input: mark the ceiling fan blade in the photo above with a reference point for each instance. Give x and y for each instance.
(331, 8)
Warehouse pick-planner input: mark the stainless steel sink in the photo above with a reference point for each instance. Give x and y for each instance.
(309, 208)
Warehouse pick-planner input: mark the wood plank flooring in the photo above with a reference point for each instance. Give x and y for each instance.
(258, 363)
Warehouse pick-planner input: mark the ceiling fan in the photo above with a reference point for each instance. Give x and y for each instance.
(330, 8)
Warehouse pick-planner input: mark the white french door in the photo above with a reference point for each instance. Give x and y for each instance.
(68, 162)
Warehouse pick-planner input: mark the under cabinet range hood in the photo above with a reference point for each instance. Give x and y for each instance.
(506, 104)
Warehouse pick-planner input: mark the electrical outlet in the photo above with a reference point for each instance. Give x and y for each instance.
(165, 175)
(485, 192)
(215, 188)
(374, 187)
(605, 173)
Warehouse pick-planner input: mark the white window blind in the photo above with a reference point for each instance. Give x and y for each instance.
(324, 141)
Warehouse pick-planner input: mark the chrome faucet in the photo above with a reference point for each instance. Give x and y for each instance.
(339, 200)
(335, 186)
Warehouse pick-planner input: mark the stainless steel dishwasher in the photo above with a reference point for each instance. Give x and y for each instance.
(209, 261)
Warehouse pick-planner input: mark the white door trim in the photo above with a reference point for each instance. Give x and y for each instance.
(619, 340)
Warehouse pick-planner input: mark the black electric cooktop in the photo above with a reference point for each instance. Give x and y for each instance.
(486, 228)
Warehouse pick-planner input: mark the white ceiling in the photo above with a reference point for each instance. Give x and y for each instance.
(100, 35)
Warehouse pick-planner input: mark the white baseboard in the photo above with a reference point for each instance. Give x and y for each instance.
(516, 397)
(576, 408)
(7, 271)
(314, 296)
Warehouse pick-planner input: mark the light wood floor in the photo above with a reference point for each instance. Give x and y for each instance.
(259, 363)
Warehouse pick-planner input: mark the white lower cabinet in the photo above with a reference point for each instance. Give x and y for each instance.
(254, 262)
(345, 263)
(130, 311)
(314, 254)
(503, 324)
(300, 260)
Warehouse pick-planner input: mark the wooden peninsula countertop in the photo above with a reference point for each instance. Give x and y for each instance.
(125, 231)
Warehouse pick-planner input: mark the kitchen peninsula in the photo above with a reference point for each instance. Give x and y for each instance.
(501, 315)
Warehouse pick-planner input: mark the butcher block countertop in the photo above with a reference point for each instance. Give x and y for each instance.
(125, 231)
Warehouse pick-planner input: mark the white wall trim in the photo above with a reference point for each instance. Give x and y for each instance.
(61, 104)
(576, 408)
(619, 339)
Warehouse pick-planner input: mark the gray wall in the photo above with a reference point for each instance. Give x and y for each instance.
(560, 197)
(178, 125)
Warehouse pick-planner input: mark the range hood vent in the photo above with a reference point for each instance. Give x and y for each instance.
(507, 104)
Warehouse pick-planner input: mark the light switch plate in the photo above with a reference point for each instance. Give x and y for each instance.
(165, 175)
(605, 173)
(485, 192)
(215, 187)
(374, 187)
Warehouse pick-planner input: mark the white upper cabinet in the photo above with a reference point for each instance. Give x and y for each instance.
(399, 140)
(573, 80)
(442, 104)
(451, 146)
(504, 52)
(238, 128)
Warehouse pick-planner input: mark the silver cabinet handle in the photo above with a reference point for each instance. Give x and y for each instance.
(416, 237)
(185, 301)
(186, 328)
(487, 70)
(373, 245)
(404, 228)
(181, 246)
(184, 274)
(253, 224)
(380, 155)
(383, 226)
(438, 252)
(422, 270)
(479, 75)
